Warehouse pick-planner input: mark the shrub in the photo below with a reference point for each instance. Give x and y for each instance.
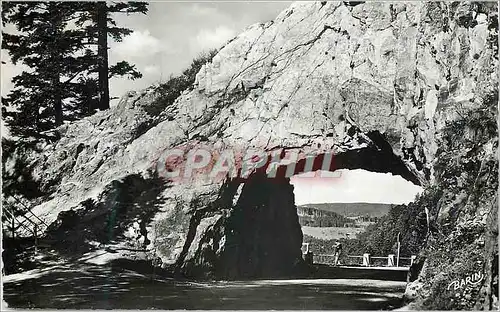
(17, 165)
(173, 88)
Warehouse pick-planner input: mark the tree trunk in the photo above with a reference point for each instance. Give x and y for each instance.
(57, 99)
(102, 54)
(56, 78)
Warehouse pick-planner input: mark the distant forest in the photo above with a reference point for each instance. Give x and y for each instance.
(353, 209)
(309, 216)
(380, 238)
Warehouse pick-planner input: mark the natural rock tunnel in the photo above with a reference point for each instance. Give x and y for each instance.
(260, 235)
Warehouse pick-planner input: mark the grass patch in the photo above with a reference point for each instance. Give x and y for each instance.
(173, 88)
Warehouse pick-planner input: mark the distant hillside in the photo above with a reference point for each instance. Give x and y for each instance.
(310, 216)
(353, 209)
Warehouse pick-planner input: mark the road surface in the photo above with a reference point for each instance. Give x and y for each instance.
(90, 286)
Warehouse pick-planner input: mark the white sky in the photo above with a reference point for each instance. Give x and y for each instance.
(173, 33)
(351, 186)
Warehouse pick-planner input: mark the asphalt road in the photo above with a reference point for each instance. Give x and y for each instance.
(87, 286)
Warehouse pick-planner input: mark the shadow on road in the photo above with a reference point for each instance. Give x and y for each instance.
(115, 286)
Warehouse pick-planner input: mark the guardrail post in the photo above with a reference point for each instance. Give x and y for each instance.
(390, 260)
(366, 259)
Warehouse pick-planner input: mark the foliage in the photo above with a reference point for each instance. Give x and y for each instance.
(45, 46)
(461, 158)
(172, 89)
(57, 41)
(380, 239)
(407, 221)
(315, 217)
(466, 171)
(17, 177)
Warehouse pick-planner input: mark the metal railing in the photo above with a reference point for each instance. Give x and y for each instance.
(17, 218)
(324, 259)
(27, 210)
(365, 260)
(353, 260)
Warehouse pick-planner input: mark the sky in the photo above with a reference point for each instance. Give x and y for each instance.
(172, 34)
(351, 186)
(166, 40)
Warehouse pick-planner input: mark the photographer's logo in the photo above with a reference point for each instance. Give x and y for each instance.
(472, 280)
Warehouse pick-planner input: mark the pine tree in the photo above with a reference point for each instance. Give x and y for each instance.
(100, 25)
(65, 46)
(45, 45)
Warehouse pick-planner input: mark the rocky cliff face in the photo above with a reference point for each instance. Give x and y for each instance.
(379, 84)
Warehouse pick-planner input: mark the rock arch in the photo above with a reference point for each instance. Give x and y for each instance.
(259, 234)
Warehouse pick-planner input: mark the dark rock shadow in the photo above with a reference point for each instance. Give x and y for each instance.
(263, 232)
(133, 199)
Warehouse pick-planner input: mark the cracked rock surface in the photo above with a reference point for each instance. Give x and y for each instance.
(371, 78)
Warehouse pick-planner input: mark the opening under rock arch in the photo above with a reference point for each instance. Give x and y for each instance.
(263, 237)
(259, 235)
(263, 231)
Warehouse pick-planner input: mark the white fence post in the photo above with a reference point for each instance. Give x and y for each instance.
(390, 260)
(366, 259)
